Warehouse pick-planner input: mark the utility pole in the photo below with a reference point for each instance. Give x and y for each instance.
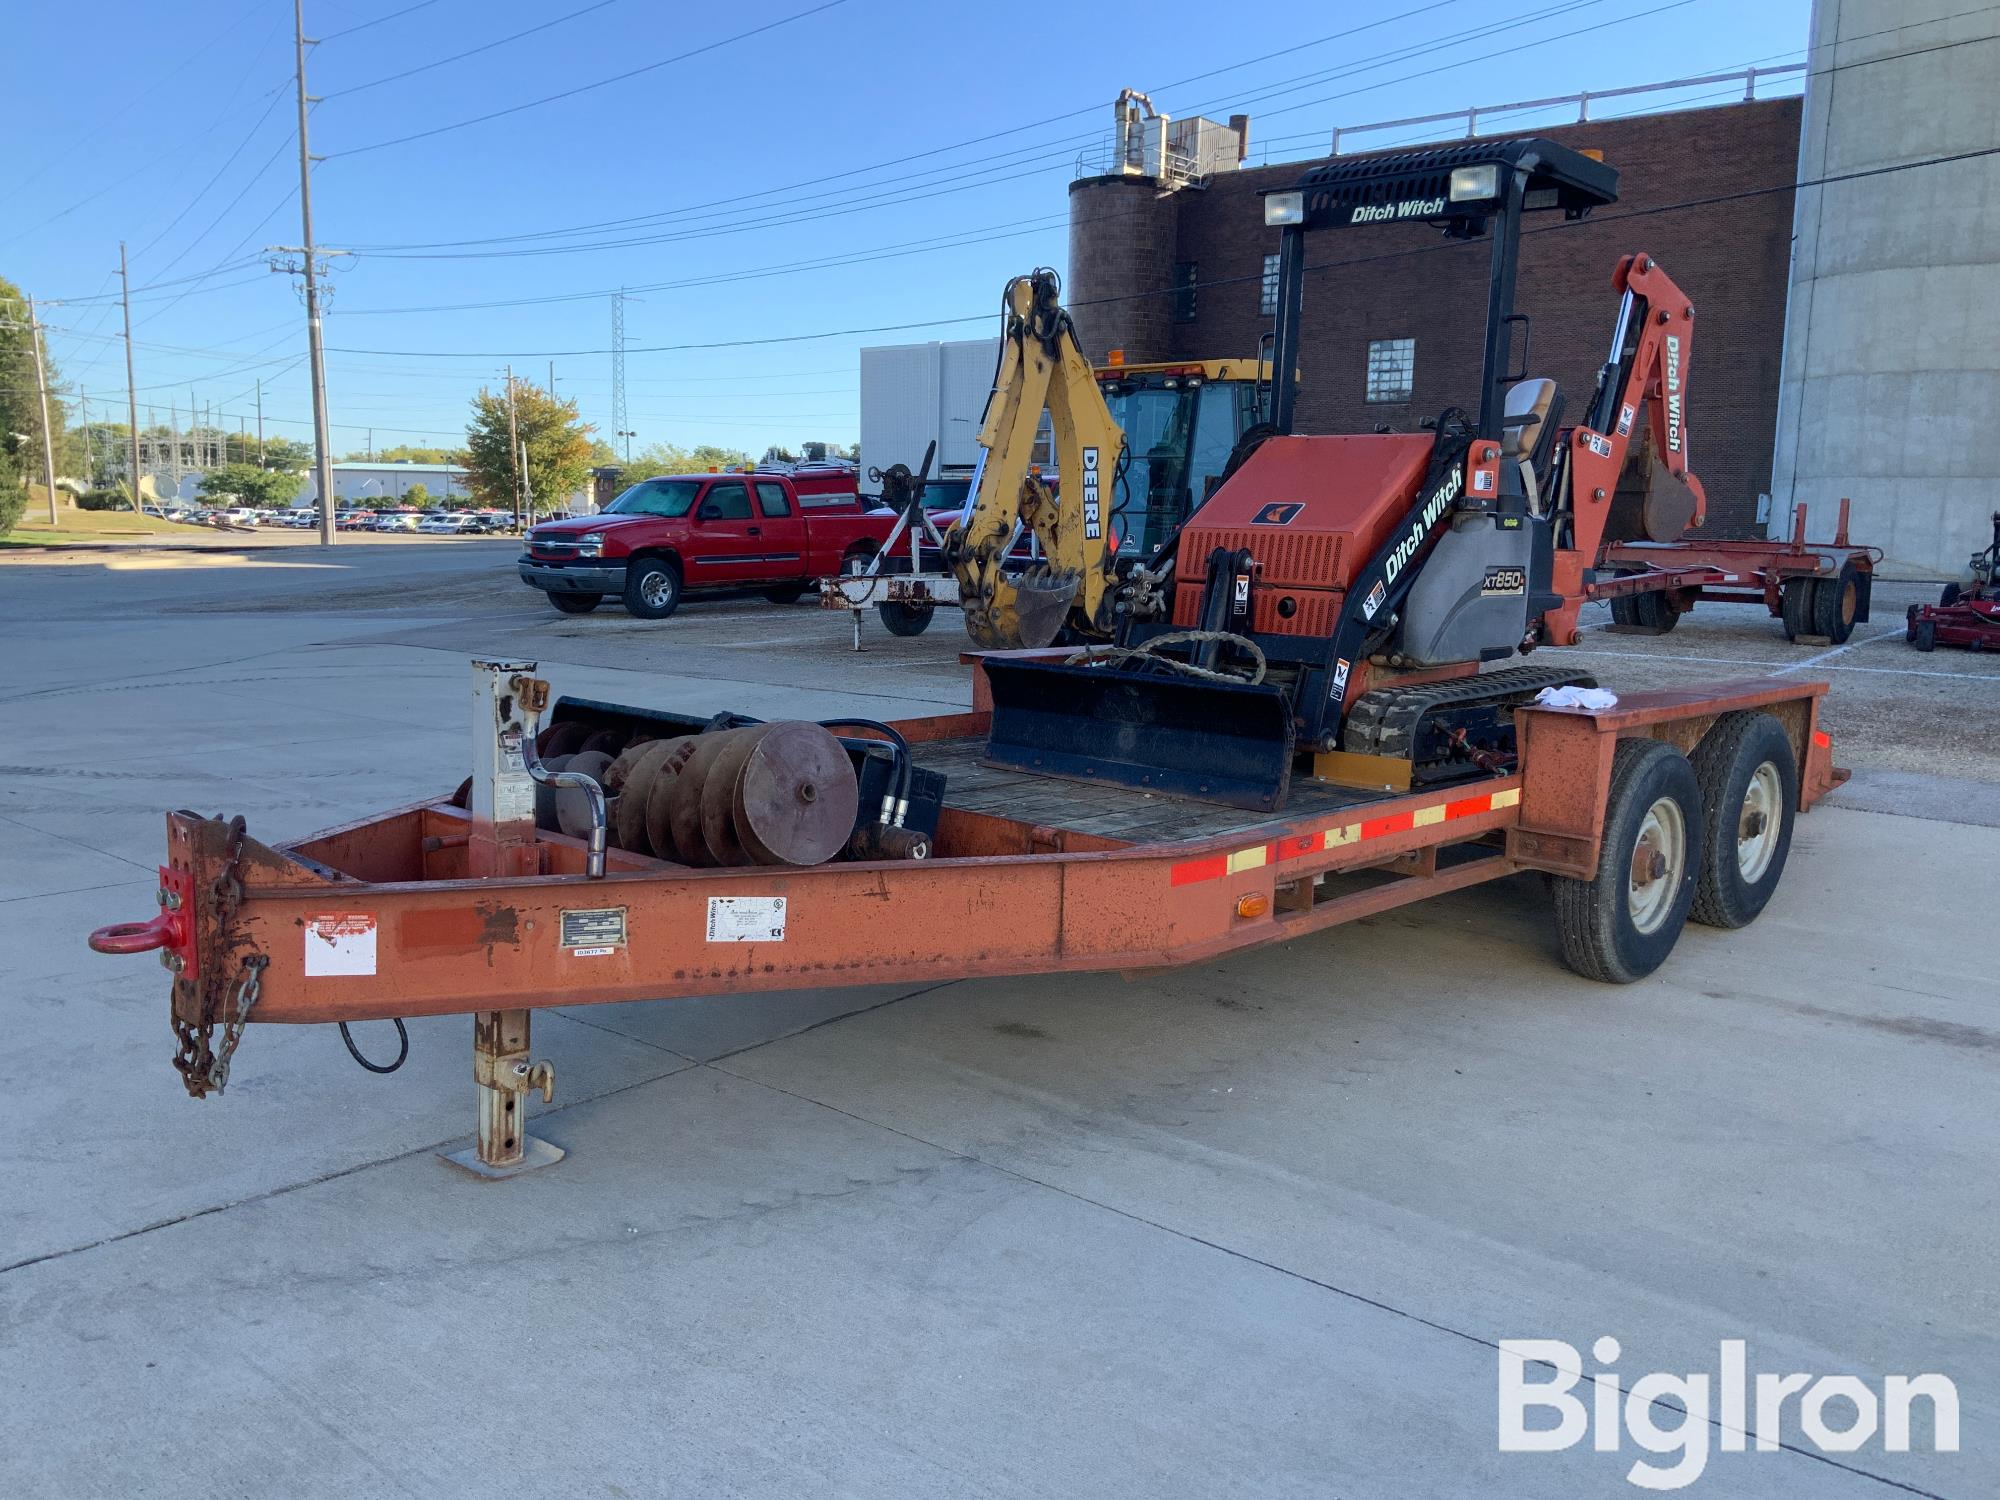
(529, 490)
(514, 446)
(42, 393)
(131, 384)
(260, 424)
(552, 380)
(322, 455)
(371, 445)
(89, 448)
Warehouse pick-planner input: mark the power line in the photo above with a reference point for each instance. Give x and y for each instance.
(461, 56)
(794, 338)
(393, 15)
(926, 154)
(584, 88)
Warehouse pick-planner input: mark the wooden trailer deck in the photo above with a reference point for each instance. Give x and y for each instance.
(1125, 814)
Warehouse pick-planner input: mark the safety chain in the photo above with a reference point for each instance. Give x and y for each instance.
(204, 1070)
(247, 989)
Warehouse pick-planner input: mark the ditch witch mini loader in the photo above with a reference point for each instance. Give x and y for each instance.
(1337, 596)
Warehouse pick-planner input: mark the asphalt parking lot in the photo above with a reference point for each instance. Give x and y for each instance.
(1252, 1228)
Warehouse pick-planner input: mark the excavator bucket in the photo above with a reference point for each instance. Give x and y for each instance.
(1027, 611)
(1158, 732)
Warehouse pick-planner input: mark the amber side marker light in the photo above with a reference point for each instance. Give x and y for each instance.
(1252, 906)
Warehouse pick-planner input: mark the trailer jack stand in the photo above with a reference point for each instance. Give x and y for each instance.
(505, 1076)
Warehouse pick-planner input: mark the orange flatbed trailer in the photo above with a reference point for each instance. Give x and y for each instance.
(436, 909)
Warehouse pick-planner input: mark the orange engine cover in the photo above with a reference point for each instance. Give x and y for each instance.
(1311, 510)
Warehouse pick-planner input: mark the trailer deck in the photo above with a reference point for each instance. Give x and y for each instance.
(437, 908)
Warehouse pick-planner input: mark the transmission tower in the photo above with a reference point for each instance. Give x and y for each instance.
(619, 425)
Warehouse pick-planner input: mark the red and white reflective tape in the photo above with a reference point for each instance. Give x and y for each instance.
(1338, 836)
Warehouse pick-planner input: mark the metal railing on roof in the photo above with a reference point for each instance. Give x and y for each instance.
(1746, 76)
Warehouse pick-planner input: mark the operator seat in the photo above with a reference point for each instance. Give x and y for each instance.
(1532, 410)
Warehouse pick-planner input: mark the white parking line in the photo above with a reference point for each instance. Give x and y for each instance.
(1837, 650)
(1769, 671)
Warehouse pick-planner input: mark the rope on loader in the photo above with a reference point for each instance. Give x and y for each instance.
(1113, 655)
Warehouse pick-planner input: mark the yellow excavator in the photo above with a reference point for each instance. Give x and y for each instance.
(1130, 481)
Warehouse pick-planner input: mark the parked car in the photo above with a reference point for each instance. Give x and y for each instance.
(396, 520)
(449, 523)
(236, 515)
(666, 537)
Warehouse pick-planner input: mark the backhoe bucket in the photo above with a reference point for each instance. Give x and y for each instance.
(1171, 734)
(1026, 612)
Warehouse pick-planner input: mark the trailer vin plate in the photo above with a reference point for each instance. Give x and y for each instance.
(594, 932)
(746, 919)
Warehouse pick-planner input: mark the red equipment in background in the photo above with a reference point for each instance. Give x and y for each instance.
(1968, 617)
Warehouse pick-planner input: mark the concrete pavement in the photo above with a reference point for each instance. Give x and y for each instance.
(1251, 1228)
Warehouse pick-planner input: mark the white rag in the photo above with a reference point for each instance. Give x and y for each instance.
(1576, 697)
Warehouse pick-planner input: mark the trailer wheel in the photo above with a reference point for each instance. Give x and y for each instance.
(1926, 637)
(1797, 610)
(1836, 605)
(1749, 795)
(905, 619)
(1654, 613)
(1910, 623)
(1621, 924)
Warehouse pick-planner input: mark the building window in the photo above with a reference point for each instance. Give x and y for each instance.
(1392, 368)
(1267, 295)
(1184, 281)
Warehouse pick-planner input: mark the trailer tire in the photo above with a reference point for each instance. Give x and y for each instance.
(1612, 928)
(1910, 623)
(576, 604)
(1797, 608)
(905, 619)
(1836, 605)
(1649, 614)
(1926, 637)
(1748, 778)
(652, 588)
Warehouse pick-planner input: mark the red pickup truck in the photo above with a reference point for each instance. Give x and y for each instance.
(666, 537)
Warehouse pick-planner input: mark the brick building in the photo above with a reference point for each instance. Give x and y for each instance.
(1393, 315)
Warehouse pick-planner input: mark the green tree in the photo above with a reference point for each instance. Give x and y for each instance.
(20, 408)
(420, 496)
(247, 484)
(557, 440)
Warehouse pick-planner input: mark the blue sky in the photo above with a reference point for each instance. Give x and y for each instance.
(928, 145)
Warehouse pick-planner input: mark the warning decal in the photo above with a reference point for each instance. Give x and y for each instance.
(746, 919)
(340, 943)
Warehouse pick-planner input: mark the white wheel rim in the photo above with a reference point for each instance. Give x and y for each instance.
(655, 589)
(1758, 822)
(1659, 859)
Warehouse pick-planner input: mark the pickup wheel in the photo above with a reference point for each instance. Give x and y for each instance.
(905, 619)
(652, 588)
(1621, 924)
(789, 593)
(576, 604)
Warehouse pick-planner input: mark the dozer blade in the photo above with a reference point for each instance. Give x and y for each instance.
(1027, 611)
(1178, 736)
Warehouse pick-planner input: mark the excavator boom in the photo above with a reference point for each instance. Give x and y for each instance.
(1042, 368)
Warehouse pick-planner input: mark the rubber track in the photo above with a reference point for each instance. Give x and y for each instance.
(1387, 721)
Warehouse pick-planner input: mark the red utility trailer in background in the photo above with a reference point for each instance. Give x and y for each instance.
(1817, 590)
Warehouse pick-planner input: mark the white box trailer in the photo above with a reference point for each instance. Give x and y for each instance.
(916, 394)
